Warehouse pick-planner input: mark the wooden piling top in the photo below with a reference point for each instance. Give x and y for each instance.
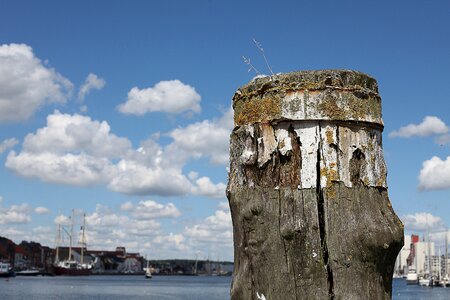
(340, 95)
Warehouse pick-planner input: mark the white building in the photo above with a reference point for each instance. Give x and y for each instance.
(401, 266)
(422, 250)
(436, 262)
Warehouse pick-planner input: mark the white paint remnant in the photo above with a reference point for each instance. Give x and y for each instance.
(247, 156)
(306, 105)
(308, 133)
(337, 146)
(283, 139)
(261, 297)
(328, 155)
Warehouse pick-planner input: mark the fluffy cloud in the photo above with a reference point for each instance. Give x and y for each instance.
(205, 187)
(213, 229)
(170, 241)
(171, 96)
(224, 206)
(76, 134)
(26, 84)
(92, 82)
(206, 138)
(150, 209)
(430, 126)
(423, 222)
(40, 210)
(76, 150)
(7, 144)
(435, 174)
(78, 170)
(15, 214)
(71, 149)
(133, 177)
(62, 220)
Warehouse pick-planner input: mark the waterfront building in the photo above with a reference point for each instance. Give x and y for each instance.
(401, 264)
(435, 264)
(132, 263)
(445, 269)
(422, 250)
(20, 258)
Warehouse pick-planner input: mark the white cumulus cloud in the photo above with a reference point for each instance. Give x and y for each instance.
(40, 210)
(8, 144)
(150, 209)
(206, 138)
(76, 150)
(205, 187)
(92, 82)
(430, 125)
(423, 222)
(26, 83)
(435, 174)
(213, 229)
(76, 134)
(70, 169)
(170, 96)
(15, 214)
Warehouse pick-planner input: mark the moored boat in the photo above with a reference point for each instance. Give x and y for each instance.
(425, 282)
(445, 281)
(69, 266)
(148, 271)
(412, 277)
(72, 268)
(6, 270)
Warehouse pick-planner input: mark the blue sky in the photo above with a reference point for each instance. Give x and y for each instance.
(142, 150)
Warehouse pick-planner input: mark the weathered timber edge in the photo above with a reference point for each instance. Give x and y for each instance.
(309, 95)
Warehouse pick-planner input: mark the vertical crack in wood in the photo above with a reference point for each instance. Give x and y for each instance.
(321, 216)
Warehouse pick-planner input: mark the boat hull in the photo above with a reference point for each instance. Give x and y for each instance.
(28, 273)
(7, 274)
(424, 282)
(71, 272)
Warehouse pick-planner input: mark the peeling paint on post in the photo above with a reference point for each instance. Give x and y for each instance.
(307, 189)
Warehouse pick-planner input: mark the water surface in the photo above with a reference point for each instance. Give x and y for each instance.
(159, 287)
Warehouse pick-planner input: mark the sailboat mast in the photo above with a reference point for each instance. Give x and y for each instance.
(83, 241)
(439, 265)
(58, 242)
(446, 253)
(196, 263)
(429, 254)
(70, 236)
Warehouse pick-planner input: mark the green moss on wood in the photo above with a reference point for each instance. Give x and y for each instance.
(258, 110)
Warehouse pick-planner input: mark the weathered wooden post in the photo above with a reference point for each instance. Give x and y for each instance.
(307, 189)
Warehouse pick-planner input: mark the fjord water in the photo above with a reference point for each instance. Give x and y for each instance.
(159, 287)
(115, 287)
